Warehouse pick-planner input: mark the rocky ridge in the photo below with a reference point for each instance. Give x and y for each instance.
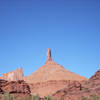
(64, 90)
(48, 79)
(77, 90)
(19, 89)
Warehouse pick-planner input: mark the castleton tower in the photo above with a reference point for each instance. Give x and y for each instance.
(52, 71)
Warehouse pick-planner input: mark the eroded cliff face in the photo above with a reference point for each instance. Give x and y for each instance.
(62, 90)
(50, 87)
(19, 89)
(13, 75)
(77, 90)
(48, 79)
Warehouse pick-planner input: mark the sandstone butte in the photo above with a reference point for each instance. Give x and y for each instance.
(47, 79)
(52, 71)
(50, 79)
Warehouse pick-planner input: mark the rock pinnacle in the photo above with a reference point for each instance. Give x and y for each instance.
(49, 56)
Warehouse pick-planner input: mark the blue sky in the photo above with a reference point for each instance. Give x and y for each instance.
(71, 28)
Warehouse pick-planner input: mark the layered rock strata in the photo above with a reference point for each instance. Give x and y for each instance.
(13, 75)
(49, 87)
(19, 89)
(77, 90)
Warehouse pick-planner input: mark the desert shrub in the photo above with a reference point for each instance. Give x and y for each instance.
(86, 89)
(49, 98)
(28, 98)
(7, 96)
(33, 97)
(84, 98)
(94, 97)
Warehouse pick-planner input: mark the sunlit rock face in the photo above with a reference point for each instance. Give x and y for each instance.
(52, 71)
(78, 90)
(49, 56)
(48, 79)
(13, 75)
(19, 89)
(51, 77)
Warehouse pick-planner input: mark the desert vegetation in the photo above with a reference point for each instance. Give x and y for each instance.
(8, 96)
(93, 97)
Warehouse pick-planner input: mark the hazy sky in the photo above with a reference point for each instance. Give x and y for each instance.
(71, 28)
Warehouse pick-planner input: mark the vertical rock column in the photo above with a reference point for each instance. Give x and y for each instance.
(49, 56)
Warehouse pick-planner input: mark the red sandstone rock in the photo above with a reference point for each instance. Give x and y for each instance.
(76, 91)
(96, 76)
(46, 80)
(49, 57)
(51, 77)
(19, 89)
(52, 71)
(49, 87)
(16, 87)
(13, 75)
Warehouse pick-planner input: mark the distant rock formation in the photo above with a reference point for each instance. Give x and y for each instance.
(52, 71)
(13, 75)
(51, 77)
(48, 79)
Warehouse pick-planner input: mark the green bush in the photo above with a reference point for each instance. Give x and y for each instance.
(84, 98)
(7, 96)
(33, 97)
(48, 98)
(94, 97)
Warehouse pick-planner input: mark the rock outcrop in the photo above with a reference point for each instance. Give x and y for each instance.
(19, 89)
(52, 71)
(50, 87)
(48, 79)
(51, 77)
(77, 90)
(49, 56)
(13, 75)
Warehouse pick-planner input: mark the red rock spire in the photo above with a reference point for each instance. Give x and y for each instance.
(49, 56)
